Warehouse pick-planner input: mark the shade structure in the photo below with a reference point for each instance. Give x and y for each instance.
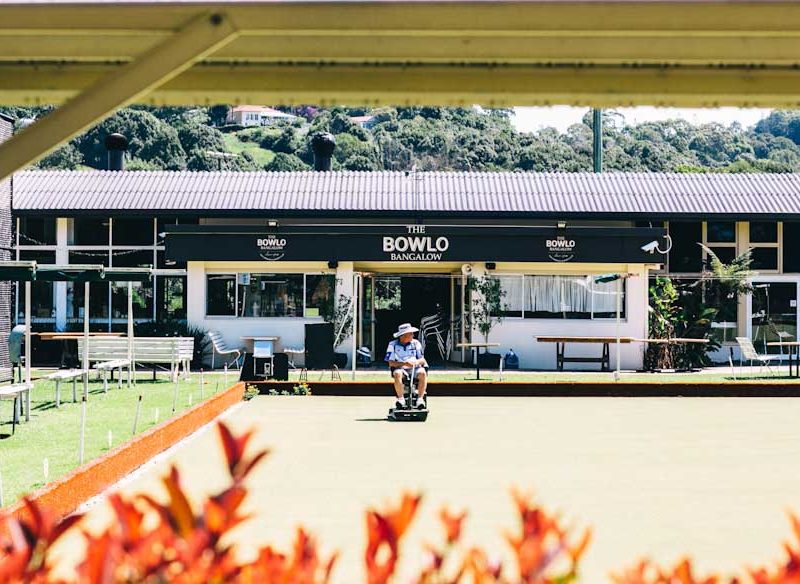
(31, 271)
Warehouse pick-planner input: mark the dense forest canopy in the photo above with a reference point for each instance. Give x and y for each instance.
(425, 138)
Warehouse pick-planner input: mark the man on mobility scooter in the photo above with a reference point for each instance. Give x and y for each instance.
(410, 374)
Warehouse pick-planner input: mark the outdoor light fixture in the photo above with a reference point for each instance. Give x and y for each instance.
(333, 264)
(272, 223)
(491, 265)
(561, 224)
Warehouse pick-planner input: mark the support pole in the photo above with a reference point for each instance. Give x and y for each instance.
(619, 310)
(355, 323)
(85, 358)
(197, 39)
(28, 350)
(130, 333)
(597, 135)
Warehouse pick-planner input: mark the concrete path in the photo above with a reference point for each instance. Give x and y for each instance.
(657, 477)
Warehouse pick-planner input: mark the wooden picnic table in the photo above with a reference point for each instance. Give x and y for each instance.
(794, 354)
(477, 347)
(561, 343)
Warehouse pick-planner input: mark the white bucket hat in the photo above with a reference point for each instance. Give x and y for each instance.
(405, 328)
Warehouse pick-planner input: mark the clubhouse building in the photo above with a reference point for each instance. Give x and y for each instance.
(260, 253)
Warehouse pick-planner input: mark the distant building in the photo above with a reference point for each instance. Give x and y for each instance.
(257, 115)
(365, 122)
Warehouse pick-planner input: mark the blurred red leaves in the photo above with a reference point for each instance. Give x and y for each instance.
(154, 541)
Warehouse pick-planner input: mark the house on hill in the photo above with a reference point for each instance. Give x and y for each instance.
(257, 115)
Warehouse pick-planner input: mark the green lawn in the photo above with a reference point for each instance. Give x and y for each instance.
(54, 433)
(261, 156)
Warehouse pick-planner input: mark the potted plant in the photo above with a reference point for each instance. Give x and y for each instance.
(486, 310)
(340, 314)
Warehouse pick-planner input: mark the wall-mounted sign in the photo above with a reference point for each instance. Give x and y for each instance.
(411, 243)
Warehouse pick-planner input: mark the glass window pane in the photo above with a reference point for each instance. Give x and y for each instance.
(164, 264)
(37, 231)
(95, 257)
(42, 303)
(557, 297)
(142, 300)
(763, 232)
(320, 294)
(765, 258)
(132, 232)
(791, 247)
(774, 316)
(132, 259)
(512, 299)
(725, 254)
(721, 231)
(686, 255)
(604, 298)
(221, 295)
(388, 293)
(171, 303)
(89, 231)
(98, 301)
(263, 295)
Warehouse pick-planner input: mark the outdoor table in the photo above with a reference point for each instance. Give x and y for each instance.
(64, 337)
(562, 341)
(477, 347)
(794, 354)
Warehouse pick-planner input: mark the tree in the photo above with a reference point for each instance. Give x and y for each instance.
(286, 162)
(218, 114)
(487, 303)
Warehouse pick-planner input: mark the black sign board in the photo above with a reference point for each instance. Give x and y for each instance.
(412, 243)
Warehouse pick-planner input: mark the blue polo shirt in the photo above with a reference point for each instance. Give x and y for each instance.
(397, 351)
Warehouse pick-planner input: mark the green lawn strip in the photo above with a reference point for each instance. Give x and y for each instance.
(54, 433)
(237, 146)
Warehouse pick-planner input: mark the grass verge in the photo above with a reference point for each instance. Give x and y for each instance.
(54, 433)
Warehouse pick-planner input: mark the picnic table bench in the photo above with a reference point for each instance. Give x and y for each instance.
(561, 343)
(66, 375)
(15, 392)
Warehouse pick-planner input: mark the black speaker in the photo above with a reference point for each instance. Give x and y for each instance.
(319, 345)
(280, 367)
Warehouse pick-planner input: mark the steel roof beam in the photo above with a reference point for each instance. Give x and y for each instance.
(116, 88)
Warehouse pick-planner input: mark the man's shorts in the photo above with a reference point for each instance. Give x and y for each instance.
(393, 369)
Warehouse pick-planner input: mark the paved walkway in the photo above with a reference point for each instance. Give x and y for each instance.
(658, 477)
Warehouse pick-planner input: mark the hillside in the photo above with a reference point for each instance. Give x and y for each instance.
(426, 139)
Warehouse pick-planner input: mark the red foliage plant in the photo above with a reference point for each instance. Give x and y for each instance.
(188, 545)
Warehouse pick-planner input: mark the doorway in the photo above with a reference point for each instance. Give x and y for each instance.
(421, 299)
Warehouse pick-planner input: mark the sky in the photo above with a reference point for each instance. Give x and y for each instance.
(530, 119)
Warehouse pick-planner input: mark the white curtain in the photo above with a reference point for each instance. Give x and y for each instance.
(605, 297)
(512, 286)
(558, 294)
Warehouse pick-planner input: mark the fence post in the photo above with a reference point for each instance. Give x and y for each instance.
(138, 411)
(83, 428)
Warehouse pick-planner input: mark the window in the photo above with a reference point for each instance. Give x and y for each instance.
(774, 315)
(388, 293)
(686, 255)
(720, 237)
(571, 297)
(221, 295)
(171, 301)
(132, 232)
(320, 294)
(98, 291)
(89, 231)
(765, 243)
(791, 247)
(263, 295)
(37, 231)
(132, 258)
(512, 287)
(142, 293)
(42, 305)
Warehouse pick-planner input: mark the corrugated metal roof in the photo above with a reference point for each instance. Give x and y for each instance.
(551, 194)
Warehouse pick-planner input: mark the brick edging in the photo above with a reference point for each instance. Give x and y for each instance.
(63, 496)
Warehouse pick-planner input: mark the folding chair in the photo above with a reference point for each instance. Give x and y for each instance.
(748, 353)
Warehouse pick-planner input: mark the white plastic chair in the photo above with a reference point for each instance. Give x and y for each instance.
(748, 353)
(218, 346)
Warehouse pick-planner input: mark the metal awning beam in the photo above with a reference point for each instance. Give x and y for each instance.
(199, 37)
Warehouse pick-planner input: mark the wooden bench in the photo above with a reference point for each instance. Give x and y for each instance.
(112, 353)
(561, 342)
(16, 391)
(66, 375)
